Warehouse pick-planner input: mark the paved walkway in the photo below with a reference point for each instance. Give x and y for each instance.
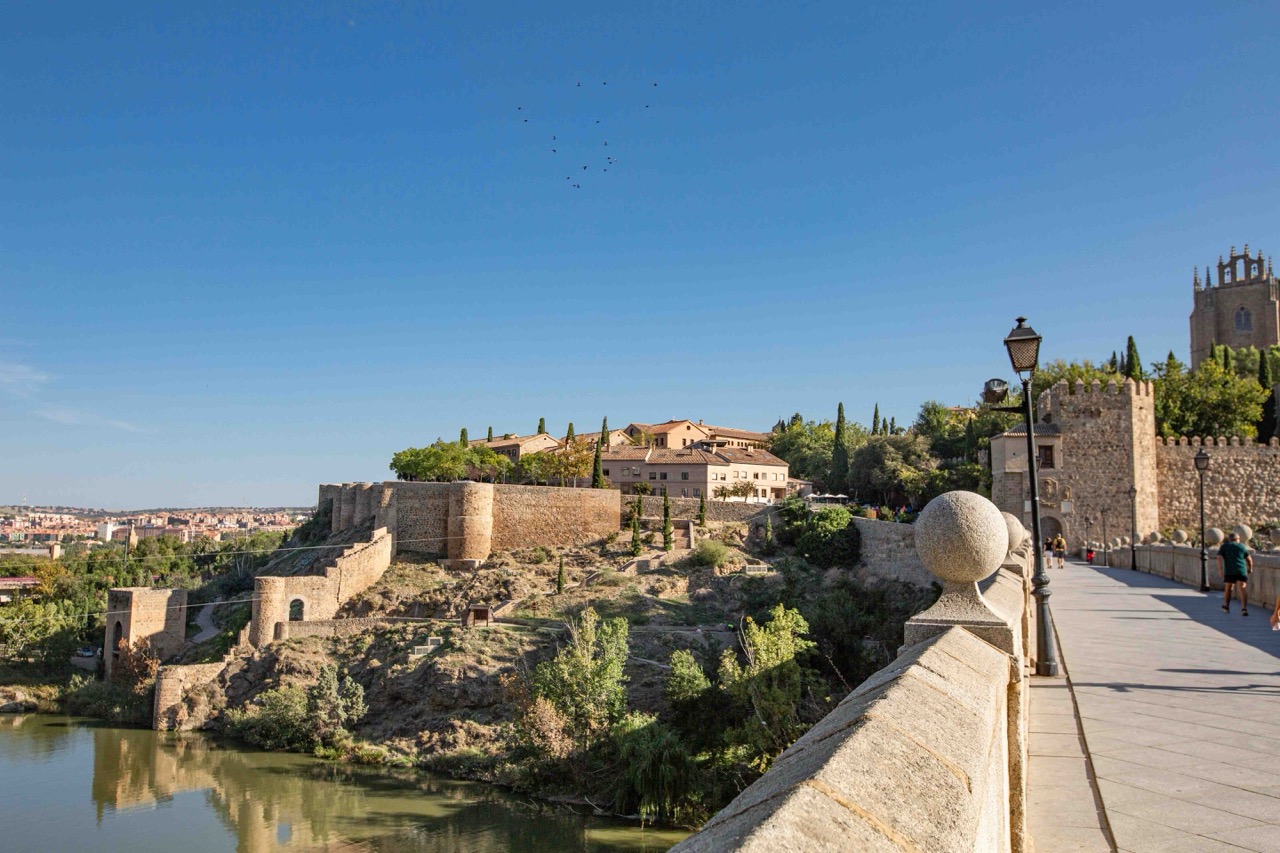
(204, 621)
(1179, 708)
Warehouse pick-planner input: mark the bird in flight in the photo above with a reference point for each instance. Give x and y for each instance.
(553, 150)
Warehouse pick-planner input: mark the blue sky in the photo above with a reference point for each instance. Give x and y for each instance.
(247, 250)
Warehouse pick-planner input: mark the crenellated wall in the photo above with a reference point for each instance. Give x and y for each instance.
(1241, 485)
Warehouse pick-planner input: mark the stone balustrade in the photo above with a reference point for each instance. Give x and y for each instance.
(930, 752)
(1181, 563)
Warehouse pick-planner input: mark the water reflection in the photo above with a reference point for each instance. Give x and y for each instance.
(270, 801)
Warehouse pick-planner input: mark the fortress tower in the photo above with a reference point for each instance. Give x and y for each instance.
(1242, 309)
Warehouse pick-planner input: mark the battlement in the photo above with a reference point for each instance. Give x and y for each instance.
(1212, 441)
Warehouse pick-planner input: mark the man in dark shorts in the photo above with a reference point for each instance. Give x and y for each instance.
(1235, 563)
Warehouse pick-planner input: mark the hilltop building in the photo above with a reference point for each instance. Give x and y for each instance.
(1241, 310)
(697, 471)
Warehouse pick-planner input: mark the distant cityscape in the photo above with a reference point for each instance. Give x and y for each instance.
(39, 526)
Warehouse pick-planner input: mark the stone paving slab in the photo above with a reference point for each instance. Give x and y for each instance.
(1180, 708)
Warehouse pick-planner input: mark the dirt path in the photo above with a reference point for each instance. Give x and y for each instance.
(204, 621)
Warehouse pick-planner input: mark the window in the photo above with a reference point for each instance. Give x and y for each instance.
(1044, 458)
(755, 475)
(684, 475)
(606, 472)
(662, 476)
(653, 475)
(1244, 320)
(684, 493)
(697, 493)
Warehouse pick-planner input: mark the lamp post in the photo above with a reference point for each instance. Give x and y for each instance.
(1202, 465)
(1133, 525)
(1023, 345)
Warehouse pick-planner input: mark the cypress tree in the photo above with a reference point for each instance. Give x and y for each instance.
(490, 438)
(1115, 362)
(893, 426)
(1267, 426)
(462, 438)
(568, 437)
(668, 537)
(840, 454)
(797, 420)
(1228, 359)
(768, 533)
(875, 421)
(597, 469)
(560, 577)
(702, 510)
(636, 545)
(542, 426)
(637, 508)
(1132, 362)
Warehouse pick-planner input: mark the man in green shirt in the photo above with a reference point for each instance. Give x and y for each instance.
(1235, 563)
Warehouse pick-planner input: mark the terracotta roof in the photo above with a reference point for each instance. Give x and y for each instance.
(685, 456)
(732, 432)
(626, 453)
(1041, 429)
(743, 456)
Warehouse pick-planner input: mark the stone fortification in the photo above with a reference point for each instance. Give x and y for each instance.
(330, 627)
(468, 521)
(930, 752)
(158, 616)
(1242, 483)
(173, 683)
(316, 597)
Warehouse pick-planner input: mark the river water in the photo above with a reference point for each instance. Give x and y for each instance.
(70, 784)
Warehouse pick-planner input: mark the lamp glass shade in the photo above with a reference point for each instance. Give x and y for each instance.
(1202, 460)
(1133, 491)
(1023, 345)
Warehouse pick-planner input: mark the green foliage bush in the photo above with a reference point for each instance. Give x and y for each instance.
(710, 553)
(297, 720)
(658, 772)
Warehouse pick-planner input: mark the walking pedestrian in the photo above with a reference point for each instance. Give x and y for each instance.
(1235, 564)
(1060, 551)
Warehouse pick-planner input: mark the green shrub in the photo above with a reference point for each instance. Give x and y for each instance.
(711, 553)
(276, 721)
(830, 538)
(659, 773)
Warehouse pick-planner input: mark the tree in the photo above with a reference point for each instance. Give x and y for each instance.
(807, 448)
(875, 421)
(636, 544)
(568, 436)
(538, 468)
(769, 689)
(332, 708)
(1132, 362)
(1267, 423)
(1208, 401)
(585, 682)
(573, 461)
(839, 454)
(892, 469)
(560, 577)
(702, 510)
(1058, 370)
(668, 537)
(542, 426)
(490, 438)
(597, 466)
(768, 533)
(462, 438)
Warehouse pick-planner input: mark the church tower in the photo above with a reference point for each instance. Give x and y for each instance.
(1242, 309)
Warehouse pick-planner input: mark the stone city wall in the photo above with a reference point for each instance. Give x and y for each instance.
(329, 627)
(468, 521)
(358, 568)
(529, 516)
(1181, 563)
(1242, 484)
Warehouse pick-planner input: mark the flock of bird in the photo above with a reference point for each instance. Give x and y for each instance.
(555, 145)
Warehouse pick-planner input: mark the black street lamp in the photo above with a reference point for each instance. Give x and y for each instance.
(1133, 524)
(1202, 465)
(1023, 345)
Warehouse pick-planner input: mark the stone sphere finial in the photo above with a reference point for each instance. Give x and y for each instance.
(1016, 531)
(1180, 536)
(1213, 536)
(961, 537)
(1244, 531)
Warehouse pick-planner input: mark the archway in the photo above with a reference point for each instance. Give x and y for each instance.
(296, 608)
(1049, 526)
(117, 635)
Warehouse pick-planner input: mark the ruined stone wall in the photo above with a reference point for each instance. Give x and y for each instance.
(688, 508)
(329, 627)
(173, 683)
(158, 616)
(528, 516)
(330, 495)
(1242, 484)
